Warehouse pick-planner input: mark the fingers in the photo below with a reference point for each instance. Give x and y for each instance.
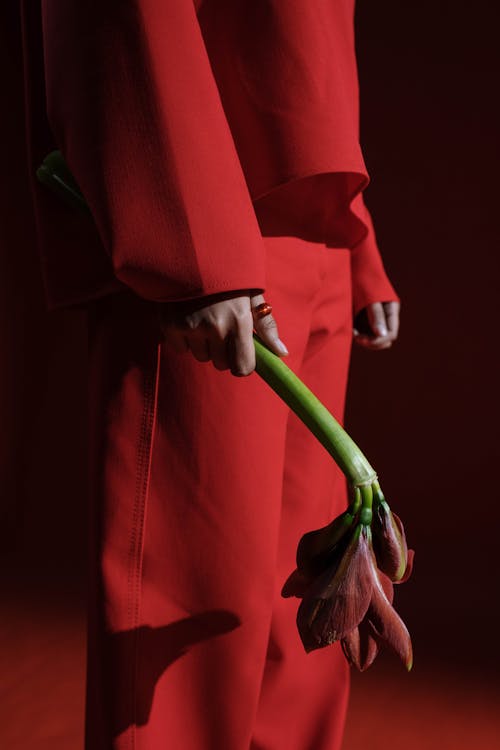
(242, 350)
(221, 332)
(234, 351)
(392, 318)
(267, 329)
(218, 351)
(383, 326)
(373, 345)
(376, 320)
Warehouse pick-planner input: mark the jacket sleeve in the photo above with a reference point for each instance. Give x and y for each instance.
(369, 278)
(135, 109)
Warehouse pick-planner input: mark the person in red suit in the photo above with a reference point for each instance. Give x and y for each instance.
(216, 144)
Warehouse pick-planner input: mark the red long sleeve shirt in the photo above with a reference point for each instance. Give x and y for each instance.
(194, 128)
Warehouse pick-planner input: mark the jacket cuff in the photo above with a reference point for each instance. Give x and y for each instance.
(370, 282)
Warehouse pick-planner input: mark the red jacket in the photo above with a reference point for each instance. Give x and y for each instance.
(194, 128)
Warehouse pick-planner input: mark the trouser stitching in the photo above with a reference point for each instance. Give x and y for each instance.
(144, 455)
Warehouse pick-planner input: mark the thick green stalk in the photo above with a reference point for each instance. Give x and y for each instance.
(314, 415)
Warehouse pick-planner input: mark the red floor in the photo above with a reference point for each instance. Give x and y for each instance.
(42, 667)
(426, 710)
(42, 683)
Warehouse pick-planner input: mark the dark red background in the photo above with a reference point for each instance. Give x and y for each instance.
(425, 412)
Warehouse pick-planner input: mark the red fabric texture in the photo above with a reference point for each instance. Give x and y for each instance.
(202, 486)
(370, 282)
(192, 129)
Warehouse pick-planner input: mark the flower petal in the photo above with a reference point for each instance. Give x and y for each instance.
(338, 600)
(388, 624)
(304, 576)
(316, 543)
(360, 646)
(387, 585)
(296, 584)
(409, 566)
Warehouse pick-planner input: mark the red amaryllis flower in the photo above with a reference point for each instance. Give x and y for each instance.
(350, 600)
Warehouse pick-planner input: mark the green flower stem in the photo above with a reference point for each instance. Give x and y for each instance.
(366, 513)
(315, 416)
(355, 504)
(378, 495)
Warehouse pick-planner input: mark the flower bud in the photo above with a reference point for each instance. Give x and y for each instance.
(389, 542)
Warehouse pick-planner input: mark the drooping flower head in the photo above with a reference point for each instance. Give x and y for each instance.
(345, 596)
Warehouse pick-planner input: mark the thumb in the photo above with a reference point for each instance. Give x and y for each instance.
(376, 319)
(267, 330)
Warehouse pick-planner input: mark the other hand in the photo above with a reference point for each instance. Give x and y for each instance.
(220, 329)
(376, 327)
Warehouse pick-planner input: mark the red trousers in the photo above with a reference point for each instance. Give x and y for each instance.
(202, 484)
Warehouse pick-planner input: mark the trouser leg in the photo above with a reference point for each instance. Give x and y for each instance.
(124, 358)
(303, 700)
(187, 485)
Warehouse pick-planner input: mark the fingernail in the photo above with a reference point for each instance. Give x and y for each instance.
(281, 347)
(381, 330)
